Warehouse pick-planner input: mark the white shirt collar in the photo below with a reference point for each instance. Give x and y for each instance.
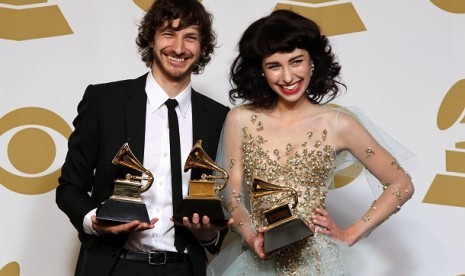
(157, 96)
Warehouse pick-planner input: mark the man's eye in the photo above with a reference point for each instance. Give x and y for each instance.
(167, 34)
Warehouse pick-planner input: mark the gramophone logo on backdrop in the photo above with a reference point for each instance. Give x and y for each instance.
(333, 18)
(31, 19)
(449, 189)
(28, 134)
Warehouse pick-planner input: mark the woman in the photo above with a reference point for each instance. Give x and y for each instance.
(285, 135)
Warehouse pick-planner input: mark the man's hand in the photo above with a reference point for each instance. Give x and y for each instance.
(203, 230)
(103, 227)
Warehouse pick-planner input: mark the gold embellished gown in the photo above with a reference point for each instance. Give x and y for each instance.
(301, 157)
(301, 154)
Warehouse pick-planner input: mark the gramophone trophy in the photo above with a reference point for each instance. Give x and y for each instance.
(201, 198)
(125, 204)
(283, 228)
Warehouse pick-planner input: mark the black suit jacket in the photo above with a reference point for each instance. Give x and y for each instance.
(108, 116)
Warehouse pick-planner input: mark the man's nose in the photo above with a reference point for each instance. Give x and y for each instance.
(179, 46)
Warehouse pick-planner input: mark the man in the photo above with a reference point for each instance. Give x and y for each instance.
(175, 39)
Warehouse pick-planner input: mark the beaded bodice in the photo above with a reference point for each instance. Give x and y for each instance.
(305, 166)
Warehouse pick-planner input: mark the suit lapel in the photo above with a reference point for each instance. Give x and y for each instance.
(135, 111)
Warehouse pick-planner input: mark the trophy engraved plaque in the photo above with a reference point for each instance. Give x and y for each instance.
(283, 228)
(202, 198)
(125, 204)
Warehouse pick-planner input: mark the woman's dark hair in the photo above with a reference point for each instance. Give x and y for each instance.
(191, 12)
(282, 31)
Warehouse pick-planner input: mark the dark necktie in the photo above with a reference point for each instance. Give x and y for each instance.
(176, 178)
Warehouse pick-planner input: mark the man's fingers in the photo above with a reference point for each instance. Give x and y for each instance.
(206, 221)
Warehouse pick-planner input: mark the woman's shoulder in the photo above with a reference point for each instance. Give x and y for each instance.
(242, 111)
(351, 120)
(240, 117)
(343, 118)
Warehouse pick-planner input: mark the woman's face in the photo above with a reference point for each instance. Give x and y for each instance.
(288, 74)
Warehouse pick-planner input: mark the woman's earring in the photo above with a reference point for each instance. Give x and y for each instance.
(312, 67)
(263, 74)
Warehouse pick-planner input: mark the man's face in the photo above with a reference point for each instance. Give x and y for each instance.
(176, 52)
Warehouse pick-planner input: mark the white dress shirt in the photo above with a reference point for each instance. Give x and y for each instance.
(158, 198)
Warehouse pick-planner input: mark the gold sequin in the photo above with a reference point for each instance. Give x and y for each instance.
(397, 194)
(373, 205)
(276, 153)
(260, 126)
(288, 148)
(385, 185)
(309, 135)
(260, 139)
(232, 163)
(324, 134)
(254, 118)
(369, 152)
(396, 163)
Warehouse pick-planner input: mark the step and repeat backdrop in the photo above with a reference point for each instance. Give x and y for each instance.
(403, 63)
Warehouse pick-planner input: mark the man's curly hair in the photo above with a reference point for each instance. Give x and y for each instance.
(190, 12)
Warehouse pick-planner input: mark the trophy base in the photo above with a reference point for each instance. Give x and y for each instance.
(119, 211)
(277, 238)
(211, 208)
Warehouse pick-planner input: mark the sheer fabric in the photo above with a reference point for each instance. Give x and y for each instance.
(302, 156)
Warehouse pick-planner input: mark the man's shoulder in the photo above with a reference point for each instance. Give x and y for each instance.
(121, 83)
(201, 98)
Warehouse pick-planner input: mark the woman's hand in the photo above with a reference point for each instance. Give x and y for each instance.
(256, 243)
(325, 225)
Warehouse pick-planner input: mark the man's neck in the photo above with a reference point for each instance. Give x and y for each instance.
(172, 87)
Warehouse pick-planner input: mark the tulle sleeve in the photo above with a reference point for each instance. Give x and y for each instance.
(349, 167)
(385, 164)
(235, 194)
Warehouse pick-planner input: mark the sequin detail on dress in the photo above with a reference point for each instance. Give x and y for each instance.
(307, 171)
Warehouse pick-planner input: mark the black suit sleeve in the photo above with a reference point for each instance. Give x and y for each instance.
(77, 174)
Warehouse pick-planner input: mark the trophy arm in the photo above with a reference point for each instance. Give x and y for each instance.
(126, 158)
(149, 181)
(225, 178)
(198, 158)
(263, 188)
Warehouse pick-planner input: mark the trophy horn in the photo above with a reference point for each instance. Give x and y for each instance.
(261, 188)
(125, 157)
(198, 158)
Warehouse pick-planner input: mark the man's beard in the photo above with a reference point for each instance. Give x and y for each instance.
(173, 74)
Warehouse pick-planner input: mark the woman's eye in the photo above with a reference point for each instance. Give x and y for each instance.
(273, 67)
(297, 62)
